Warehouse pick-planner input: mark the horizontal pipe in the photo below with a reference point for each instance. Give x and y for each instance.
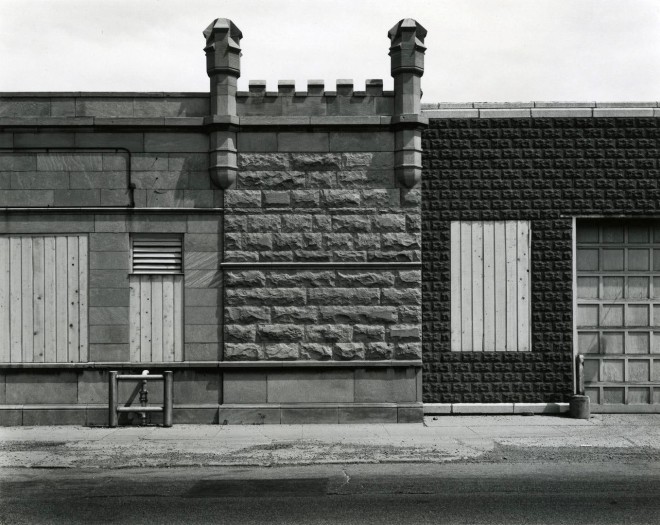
(136, 376)
(139, 409)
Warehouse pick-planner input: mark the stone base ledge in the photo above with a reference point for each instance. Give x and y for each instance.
(234, 414)
(494, 408)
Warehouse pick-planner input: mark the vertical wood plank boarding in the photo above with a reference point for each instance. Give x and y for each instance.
(73, 301)
(500, 286)
(145, 319)
(523, 286)
(477, 287)
(15, 315)
(178, 317)
(168, 318)
(27, 289)
(511, 287)
(50, 291)
(490, 269)
(455, 256)
(157, 318)
(466, 287)
(489, 286)
(5, 330)
(61, 279)
(134, 318)
(82, 299)
(39, 314)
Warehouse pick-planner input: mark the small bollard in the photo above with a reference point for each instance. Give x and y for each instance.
(579, 407)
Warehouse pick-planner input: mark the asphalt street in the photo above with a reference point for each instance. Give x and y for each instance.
(506, 490)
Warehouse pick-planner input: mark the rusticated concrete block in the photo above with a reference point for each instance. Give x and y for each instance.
(363, 333)
(247, 314)
(313, 142)
(276, 198)
(358, 314)
(404, 296)
(410, 314)
(242, 198)
(264, 223)
(280, 332)
(296, 223)
(352, 296)
(303, 279)
(274, 180)
(348, 351)
(328, 333)
(370, 160)
(237, 333)
(305, 198)
(248, 278)
(341, 198)
(244, 387)
(329, 386)
(242, 351)
(315, 351)
(261, 296)
(351, 223)
(281, 351)
(361, 279)
(286, 314)
(263, 161)
(321, 179)
(377, 351)
(408, 351)
(26, 387)
(389, 222)
(315, 161)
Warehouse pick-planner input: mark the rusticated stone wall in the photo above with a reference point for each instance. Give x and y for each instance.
(321, 198)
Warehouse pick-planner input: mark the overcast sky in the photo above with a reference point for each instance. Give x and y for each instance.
(478, 50)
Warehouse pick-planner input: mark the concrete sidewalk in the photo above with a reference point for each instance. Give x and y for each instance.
(439, 439)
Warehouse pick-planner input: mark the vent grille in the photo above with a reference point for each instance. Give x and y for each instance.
(157, 254)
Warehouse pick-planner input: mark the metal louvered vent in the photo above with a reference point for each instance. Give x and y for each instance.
(157, 254)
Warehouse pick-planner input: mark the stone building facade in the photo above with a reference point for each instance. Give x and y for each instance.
(265, 246)
(325, 256)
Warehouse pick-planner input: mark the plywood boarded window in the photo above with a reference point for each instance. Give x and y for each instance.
(156, 299)
(43, 299)
(490, 286)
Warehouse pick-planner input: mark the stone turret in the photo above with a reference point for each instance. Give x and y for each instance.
(407, 67)
(223, 65)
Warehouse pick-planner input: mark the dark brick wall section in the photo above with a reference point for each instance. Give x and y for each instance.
(544, 170)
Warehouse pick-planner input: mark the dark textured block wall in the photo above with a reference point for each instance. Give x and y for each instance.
(545, 170)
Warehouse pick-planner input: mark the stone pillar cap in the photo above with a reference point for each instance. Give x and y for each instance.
(222, 25)
(408, 25)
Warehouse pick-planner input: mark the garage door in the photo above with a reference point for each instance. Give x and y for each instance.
(618, 312)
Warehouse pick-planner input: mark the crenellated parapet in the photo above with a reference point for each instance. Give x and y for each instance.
(316, 110)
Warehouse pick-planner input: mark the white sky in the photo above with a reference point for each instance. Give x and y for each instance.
(478, 50)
